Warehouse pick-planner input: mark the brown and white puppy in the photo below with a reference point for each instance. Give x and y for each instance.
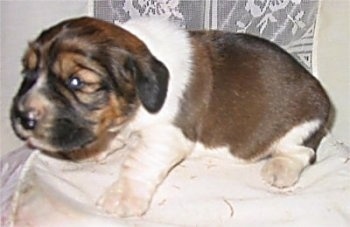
(87, 81)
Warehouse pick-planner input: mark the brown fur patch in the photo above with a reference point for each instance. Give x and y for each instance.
(30, 60)
(112, 114)
(68, 64)
(254, 94)
(197, 97)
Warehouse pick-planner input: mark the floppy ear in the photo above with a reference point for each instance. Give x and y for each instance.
(151, 81)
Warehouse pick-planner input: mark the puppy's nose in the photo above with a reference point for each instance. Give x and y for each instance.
(29, 119)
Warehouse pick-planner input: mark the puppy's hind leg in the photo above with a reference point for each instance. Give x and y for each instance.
(290, 156)
(285, 166)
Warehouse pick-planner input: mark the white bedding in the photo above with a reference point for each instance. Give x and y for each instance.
(208, 189)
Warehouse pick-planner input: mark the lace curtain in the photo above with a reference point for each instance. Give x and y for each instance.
(289, 23)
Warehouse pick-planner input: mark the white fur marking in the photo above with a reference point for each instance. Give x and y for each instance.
(170, 45)
(295, 138)
(290, 157)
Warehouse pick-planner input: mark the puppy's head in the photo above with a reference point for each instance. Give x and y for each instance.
(81, 78)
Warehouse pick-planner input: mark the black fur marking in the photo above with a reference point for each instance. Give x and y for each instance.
(71, 132)
(30, 78)
(151, 83)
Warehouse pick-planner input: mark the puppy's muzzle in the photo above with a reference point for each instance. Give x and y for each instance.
(28, 116)
(28, 119)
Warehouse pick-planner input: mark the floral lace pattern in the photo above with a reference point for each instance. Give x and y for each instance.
(289, 23)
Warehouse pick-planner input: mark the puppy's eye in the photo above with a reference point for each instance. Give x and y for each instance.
(75, 83)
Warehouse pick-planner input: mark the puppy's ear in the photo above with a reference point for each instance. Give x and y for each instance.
(151, 81)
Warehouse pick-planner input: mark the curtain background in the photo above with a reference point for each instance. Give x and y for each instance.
(289, 23)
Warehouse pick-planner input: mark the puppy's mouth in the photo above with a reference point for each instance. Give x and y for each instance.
(19, 130)
(53, 141)
(34, 143)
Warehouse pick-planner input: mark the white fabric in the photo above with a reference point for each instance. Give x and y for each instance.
(208, 189)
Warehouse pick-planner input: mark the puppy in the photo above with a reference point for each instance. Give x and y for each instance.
(86, 82)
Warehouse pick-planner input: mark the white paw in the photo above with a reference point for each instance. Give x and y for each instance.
(123, 201)
(282, 171)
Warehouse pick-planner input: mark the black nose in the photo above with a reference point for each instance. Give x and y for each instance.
(28, 119)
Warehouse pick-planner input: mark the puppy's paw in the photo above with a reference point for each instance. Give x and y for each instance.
(124, 201)
(282, 171)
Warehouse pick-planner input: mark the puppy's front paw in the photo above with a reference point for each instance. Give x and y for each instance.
(281, 171)
(124, 201)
